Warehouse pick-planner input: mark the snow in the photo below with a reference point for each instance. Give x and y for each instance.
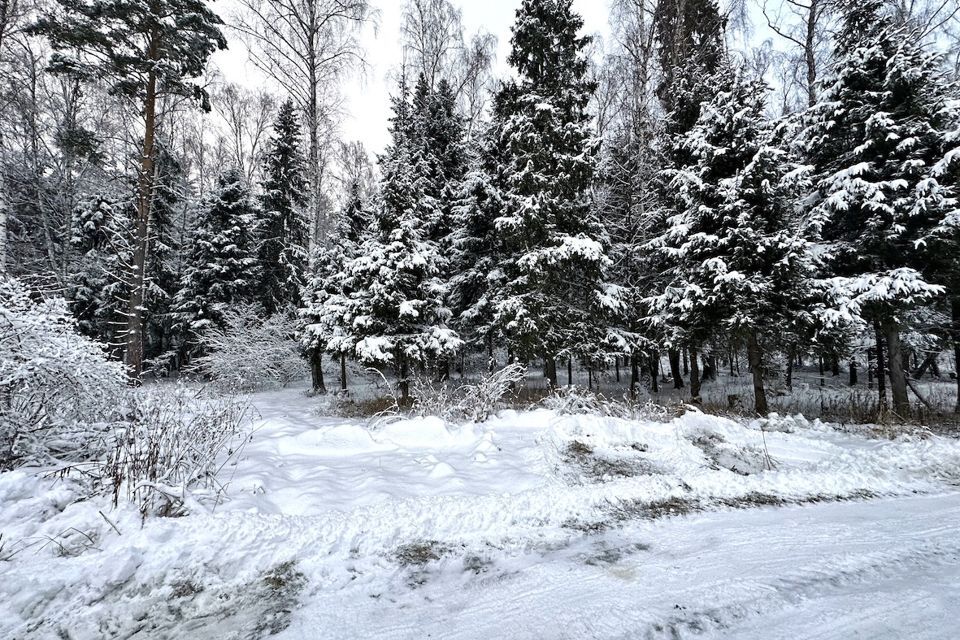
(522, 523)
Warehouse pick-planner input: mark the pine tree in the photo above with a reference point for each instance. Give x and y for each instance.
(222, 269)
(144, 51)
(875, 140)
(554, 298)
(739, 260)
(281, 229)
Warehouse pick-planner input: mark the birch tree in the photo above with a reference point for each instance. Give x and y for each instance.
(307, 47)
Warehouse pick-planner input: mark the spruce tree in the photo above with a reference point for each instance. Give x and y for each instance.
(875, 140)
(554, 297)
(441, 135)
(690, 49)
(739, 261)
(100, 239)
(282, 229)
(689, 36)
(474, 249)
(946, 243)
(222, 268)
(400, 316)
(329, 309)
(439, 165)
(161, 338)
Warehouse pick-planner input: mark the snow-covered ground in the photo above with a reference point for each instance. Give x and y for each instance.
(532, 525)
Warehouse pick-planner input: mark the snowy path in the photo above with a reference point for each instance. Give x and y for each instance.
(885, 568)
(879, 569)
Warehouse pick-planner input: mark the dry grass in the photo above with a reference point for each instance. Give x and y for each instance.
(365, 408)
(421, 552)
(588, 465)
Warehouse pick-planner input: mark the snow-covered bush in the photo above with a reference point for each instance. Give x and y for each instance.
(167, 457)
(64, 404)
(250, 351)
(574, 400)
(469, 402)
(57, 387)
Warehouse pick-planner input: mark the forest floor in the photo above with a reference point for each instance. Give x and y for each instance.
(530, 525)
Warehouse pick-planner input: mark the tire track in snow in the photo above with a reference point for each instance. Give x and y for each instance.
(705, 576)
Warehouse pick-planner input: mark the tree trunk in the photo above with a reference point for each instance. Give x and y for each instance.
(929, 362)
(570, 371)
(634, 375)
(694, 374)
(550, 369)
(316, 371)
(710, 369)
(404, 382)
(834, 365)
(313, 156)
(823, 378)
(870, 367)
(616, 366)
(789, 378)
(133, 340)
(491, 361)
(3, 223)
(898, 379)
(810, 51)
(955, 303)
(343, 372)
(685, 359)
(674, 356)
(881, 368)
(655, 373)
(756, 367)
(853, 373)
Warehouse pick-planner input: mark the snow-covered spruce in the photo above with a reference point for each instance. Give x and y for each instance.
(554, 299)
(877, 141)
(737, 253)
(222, 268)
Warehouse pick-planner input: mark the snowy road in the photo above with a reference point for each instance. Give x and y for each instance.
(879, 569)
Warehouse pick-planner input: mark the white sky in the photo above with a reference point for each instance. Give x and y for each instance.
(367, 104)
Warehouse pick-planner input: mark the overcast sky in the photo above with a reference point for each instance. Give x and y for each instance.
(367, 105)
